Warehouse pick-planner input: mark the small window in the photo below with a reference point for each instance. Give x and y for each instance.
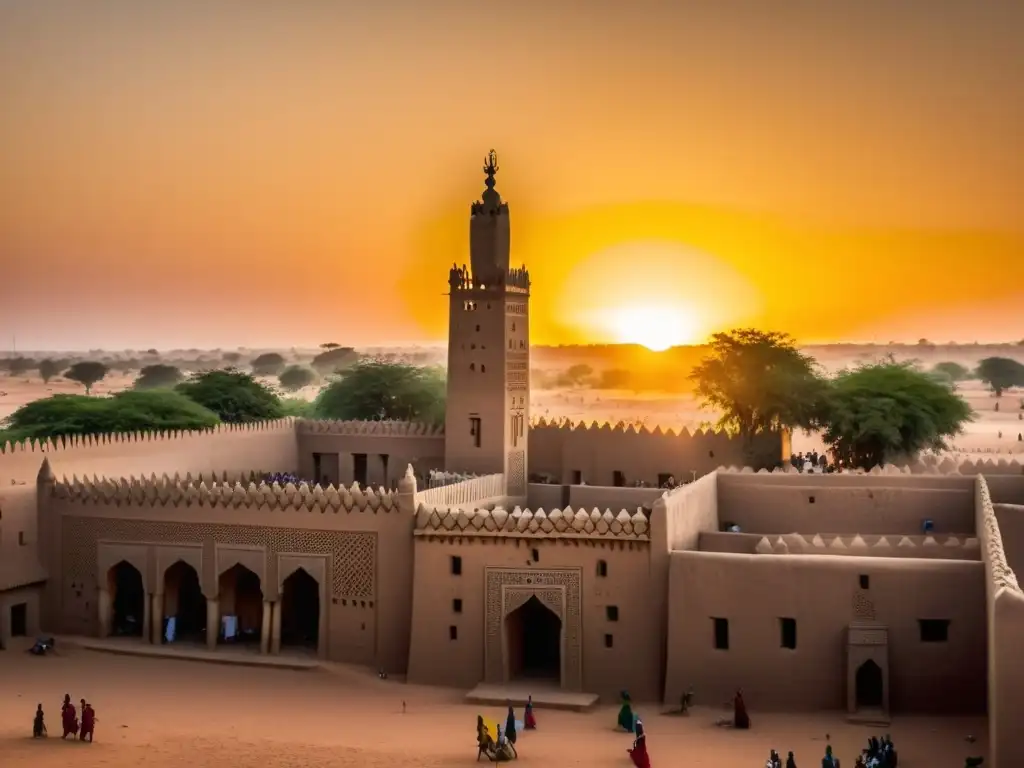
(602, 569)
(478, 328)
(453, 632)
(472, 366)
(934, 630)
(865, 581)
(457, 605)
(787, 630)
(456, 565)
(535, 555)
(475, 429)
(810, 499)
(618, 479)
(483, 368)
(513, 327)
(21, 538)
(711, 454)
(611, 612)
(609, 641)
(721, 634)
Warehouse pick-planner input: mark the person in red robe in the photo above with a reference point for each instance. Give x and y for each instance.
(638, 754)
(68, 717)
(88, 722)
(740, 718)
(529, 721)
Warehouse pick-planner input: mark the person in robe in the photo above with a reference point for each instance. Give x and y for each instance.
(627, 720)
(88, 721)
(69, 718)
(504, 750)
(790, 761)
(510, 726)
(774, 761)
(529, 721)
(828, 761)
(38, 724)
(740, 718)
(638, 754)
(485, 745)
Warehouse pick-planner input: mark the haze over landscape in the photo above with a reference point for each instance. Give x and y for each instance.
(190, 175)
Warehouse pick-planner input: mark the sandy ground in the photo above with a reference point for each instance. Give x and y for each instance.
(179, 713)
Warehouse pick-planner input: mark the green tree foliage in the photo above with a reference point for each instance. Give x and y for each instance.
(158, 376)
(269, 364)
(758, 381)
(1001, 373)
(888, 410)
(87, 373)
(951, 371)
(234, 396)
(373, 389)
(298, 407)
(19, 366)
(49, 368)
(295, 377)
(130, 411)
(333, 359)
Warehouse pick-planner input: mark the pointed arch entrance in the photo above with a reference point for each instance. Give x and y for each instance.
(241, 605)
(300, 611)
(868, 686)
(127, 600)
(184, 602)
(534, 642)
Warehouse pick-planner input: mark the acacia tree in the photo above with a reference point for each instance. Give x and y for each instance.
(888, 410)
(758, 381)
(952, 371)
(234, 396)
(378, 390)
(295, 377)
(1001, 373)
(48, 369)
(268, 364)
(158, 376)
(87, 373)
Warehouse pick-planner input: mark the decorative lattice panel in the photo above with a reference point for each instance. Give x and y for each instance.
(516, 473)
(352, 555)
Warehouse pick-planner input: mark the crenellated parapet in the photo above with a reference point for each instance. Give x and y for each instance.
(186, 492)
(862, 545)
(513, 280)
(382, 428)
(624, 429)
(998, 568)
(931, 465)
(526, 523)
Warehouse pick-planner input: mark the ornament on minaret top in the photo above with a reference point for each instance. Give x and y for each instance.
(491, 198)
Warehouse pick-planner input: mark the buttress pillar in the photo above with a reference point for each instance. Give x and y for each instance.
(156, 616)
(212, 622)
(103, 605)
(147, 619)
(265, 624)
(275, 627)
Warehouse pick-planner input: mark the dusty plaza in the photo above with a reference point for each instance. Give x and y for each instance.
(846, 604)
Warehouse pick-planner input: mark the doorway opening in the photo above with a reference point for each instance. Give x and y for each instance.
(241, 606)
(300, 610)
(869, 685)
(19, 620)
(128, 600)
(534, 637)
(360, 468)
(185, 603)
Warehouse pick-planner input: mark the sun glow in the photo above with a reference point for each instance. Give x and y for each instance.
(656, 328)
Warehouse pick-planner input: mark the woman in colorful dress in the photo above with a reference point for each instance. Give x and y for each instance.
(638, 754)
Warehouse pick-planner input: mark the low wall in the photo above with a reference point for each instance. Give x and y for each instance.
(1011, 527)
(822, 594)
(1006, 489)
(921, 547)
(544, 496)
(471, 494)
(783, 503)
(267, 446)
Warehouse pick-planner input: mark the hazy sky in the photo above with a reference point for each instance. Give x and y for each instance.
(214, 174)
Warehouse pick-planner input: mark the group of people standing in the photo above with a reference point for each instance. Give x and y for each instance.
(69, 721)
(502, 746)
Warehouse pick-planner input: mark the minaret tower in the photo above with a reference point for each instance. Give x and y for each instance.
(488, 411)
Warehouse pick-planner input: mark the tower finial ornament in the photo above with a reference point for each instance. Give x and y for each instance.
(491, 167)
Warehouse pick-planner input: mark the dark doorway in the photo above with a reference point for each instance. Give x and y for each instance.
(359, 467)
(869, 685)
(325, 469)
(300, 610)
(19, 620)
(384, 458)
(184, 600)
(566, 495)
(577, 477)
(128, 600)
(534, 642)
(241, 605)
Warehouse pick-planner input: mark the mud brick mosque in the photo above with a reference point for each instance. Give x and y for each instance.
(892, 591)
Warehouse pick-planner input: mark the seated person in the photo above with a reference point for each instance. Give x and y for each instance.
(505, 750)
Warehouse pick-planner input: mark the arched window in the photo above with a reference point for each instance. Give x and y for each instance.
(602, 568)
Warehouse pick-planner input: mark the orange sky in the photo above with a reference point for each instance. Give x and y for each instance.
(238, 173)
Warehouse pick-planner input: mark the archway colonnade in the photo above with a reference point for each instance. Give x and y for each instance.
(240, 614)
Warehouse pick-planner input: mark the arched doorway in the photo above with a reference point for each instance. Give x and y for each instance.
(127, 600)
(534, 642)
(241, 605)
(300, 610)
(184, 601)
(869, 685)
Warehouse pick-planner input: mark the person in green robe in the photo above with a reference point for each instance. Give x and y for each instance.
(627, 720)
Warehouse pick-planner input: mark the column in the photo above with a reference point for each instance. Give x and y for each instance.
(156, 615)
(275, 627)
(346, 469)
(265, 627)
(147, 617)
(103, 605)
(212, 622)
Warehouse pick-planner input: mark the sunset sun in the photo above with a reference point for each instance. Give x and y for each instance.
(656, 328)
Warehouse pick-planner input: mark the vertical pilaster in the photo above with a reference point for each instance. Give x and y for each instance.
(103, 607)
(156, 615)
(265, 624)
(212, 622)
(147, 618)
(275, 627)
